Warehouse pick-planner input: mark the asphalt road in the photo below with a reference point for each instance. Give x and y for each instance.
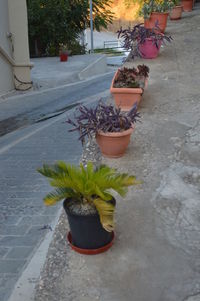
(27, 109)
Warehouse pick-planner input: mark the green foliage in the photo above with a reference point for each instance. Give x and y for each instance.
(86, 184)
(150, 6)
(52, 22)
(146, 7)
(102, 13)
(176, 2)
(76, 48)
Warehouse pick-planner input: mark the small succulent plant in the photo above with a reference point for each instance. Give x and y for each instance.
(63, 48)
(105, 118)
(131, 77)
(143, 70)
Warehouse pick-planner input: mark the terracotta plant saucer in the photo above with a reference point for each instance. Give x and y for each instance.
(90, 251)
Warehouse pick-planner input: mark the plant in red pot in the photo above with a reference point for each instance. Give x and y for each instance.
(88, 202)
(187, 5)
(63, 53)
(176, 11)
(128, 86)
(142, 41)
(155, 11)
(111, 127)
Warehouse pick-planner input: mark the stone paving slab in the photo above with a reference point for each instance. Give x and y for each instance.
(24, 220)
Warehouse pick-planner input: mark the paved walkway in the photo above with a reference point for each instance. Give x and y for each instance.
(50, 72)
(24, 220)
(156, 252)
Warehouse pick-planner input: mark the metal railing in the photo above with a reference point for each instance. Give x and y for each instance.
(112, 44)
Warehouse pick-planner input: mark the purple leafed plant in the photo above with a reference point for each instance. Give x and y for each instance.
(131, 77)
(132, 38)
(105, 118)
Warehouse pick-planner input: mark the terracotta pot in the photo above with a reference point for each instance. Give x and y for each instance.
(114, 145)
(125, 98)
(187, 5)
(176, 12)
(63, 57)
(161, 18)
(148, 49)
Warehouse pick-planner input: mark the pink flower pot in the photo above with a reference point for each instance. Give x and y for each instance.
(148, 49)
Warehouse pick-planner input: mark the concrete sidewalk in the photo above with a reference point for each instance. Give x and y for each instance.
(50, 72)
(155, 256)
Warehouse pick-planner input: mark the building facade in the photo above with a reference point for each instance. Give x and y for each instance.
(15, 63)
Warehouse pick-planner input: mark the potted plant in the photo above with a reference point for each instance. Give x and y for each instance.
(128, 86)
(176, 11)
(142, 41)
(155, 12)
(63, 53)
(88, 202)
(187, 5)
(111, 127)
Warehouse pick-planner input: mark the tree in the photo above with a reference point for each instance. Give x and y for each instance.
(52, 22)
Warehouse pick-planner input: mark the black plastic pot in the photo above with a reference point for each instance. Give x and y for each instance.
(87, 231)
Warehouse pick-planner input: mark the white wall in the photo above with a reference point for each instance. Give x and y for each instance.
(6, 75)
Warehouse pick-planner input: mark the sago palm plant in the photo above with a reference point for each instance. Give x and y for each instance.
(87, 184)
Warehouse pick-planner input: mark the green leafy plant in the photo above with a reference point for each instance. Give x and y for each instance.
(175, 2)
(52, 22)
(63, 48)
(150, 6)
(87, 184)
(146, 7)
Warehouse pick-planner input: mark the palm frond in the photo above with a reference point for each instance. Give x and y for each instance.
(57, 195)
(106, 213)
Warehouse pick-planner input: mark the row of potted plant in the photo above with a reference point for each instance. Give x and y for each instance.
(87, 191)
(158, 11)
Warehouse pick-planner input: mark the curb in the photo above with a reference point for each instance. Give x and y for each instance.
(39, 92)
(25, 286)
(97, 67)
